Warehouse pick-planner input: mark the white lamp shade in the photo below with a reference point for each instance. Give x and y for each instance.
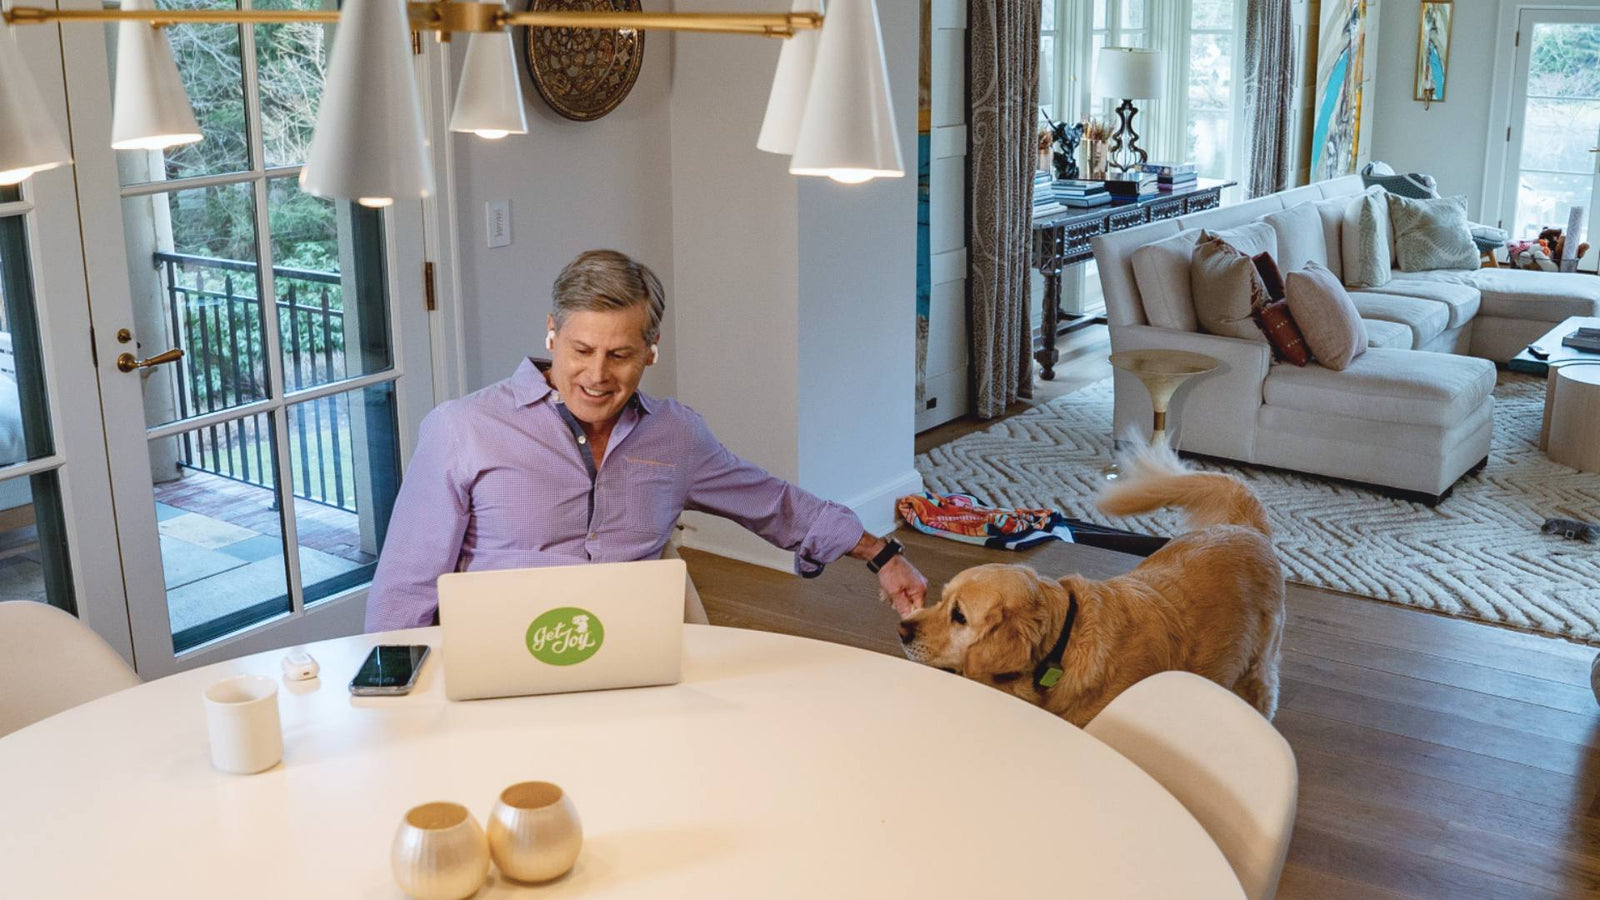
(489, 99)
(1128, 73)
(29, 141)
(368, 145)
(848, 132)
(151, 110)
(790, 84)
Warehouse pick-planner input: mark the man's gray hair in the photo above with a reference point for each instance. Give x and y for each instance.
(607, 281)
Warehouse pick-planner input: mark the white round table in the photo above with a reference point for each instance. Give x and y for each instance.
(779, 767)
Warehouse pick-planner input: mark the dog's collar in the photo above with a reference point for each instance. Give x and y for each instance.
(1048, 671)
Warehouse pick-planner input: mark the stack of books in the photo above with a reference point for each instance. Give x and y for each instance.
(1132, 183)
(1044, 201)
(1080, 194)
(1586, 339)
(1173, 176)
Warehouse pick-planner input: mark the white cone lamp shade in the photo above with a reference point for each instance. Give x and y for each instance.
(29, 141)
(368, 145)
(151, 110)
(489, 100)
(786, 105)
(847, 132)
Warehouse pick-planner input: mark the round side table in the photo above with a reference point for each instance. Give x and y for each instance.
(1572, 416)
(1163, 372)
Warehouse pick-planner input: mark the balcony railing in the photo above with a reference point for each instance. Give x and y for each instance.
(215, 312)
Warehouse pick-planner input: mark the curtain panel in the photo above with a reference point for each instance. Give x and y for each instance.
(1003, 96)
(1269, 86)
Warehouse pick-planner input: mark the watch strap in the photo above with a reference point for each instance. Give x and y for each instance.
(891, 549)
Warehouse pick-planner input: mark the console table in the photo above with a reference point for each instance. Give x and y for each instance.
(1061, 239)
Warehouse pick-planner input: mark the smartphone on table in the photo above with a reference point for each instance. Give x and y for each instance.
(389, 670)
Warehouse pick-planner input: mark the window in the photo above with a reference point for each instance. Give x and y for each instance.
(1214, 41)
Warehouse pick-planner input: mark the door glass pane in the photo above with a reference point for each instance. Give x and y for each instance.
(1561, 122)
(209, 63)
(1132, 14)
(1099, 14)
(192, 268)
(1047, 15)
(220, 518)
(1564, 61)
(1216, 14)
(1544, 200)
(1047, 72)
(291, 62)
(34, 564)
(24, 409)
(10, 193)
(1558, 134)
(328, 274)
(1210, 96)
(344, 452)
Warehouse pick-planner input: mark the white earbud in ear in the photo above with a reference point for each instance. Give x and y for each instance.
(655, 352)
(550, 340)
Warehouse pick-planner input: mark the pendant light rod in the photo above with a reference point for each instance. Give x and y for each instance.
(444, 17)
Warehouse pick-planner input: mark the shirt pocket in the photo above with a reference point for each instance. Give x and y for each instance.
(652, 496)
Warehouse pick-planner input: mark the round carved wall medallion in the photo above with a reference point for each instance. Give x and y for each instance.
(584, 73)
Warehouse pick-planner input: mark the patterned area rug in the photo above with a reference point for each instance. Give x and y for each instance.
(1479, 554)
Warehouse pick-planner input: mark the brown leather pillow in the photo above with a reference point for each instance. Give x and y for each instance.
(1277, 323)
(1271, 278)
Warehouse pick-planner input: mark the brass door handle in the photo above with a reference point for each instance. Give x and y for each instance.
(126, 362)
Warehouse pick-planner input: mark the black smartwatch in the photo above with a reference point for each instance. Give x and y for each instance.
(891, 549)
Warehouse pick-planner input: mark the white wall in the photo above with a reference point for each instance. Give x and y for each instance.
(1447, 140)
(573, 186)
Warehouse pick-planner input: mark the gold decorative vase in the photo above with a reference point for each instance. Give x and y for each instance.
(439, 853)
(534, 832)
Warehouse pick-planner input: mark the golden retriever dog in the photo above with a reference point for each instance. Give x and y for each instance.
(1209, 602)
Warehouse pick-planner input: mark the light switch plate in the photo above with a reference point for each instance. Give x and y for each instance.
(497, 222)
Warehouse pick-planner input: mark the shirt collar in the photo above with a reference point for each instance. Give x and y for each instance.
(529, 387)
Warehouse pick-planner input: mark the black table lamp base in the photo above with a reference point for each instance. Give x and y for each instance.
(1126, 153)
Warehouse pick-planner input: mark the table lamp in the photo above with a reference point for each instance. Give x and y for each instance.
(1128, 74)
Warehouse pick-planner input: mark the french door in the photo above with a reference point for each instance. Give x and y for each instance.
(262, 355)
(1553, 161)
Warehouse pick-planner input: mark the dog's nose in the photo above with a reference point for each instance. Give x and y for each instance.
(908, 630)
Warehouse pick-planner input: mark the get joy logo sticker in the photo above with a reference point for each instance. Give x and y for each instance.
(565, 636)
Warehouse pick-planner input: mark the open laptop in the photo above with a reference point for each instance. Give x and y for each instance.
(562, 628)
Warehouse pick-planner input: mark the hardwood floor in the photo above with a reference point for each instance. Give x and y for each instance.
(1438, 757)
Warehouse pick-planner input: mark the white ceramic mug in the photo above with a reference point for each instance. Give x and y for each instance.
(242, 720)
(439, 853)
(534, 832)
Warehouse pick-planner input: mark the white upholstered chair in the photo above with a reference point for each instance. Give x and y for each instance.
(49, 661)
(1220, 758)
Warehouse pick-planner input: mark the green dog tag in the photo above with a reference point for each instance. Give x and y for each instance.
(1050, 677)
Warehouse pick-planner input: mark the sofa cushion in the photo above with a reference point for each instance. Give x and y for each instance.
(1537, 296)
(1432, 234)
(1387, 334)
(1226, 288)
(1367, 260)
(1408, 387)
(1299, 236)
(1327, 318)
(1427, 319)
(1161, 270)
(1461, 299)
(1331, 211)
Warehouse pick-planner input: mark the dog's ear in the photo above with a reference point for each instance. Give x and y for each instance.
(1015, 638)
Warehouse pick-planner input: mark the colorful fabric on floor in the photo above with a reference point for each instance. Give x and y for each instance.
(961, 517)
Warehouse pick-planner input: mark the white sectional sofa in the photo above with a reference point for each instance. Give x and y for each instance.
(1413, 413)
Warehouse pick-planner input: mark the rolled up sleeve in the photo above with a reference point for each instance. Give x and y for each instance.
(817, 531)
(425, 531)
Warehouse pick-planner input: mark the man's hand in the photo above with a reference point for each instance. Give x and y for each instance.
(903, 585)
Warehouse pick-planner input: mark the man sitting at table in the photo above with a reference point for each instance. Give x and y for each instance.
(568, 462)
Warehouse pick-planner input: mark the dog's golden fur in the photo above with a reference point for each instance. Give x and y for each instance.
(1209, 602)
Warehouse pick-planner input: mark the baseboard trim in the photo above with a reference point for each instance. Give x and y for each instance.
(875, 508)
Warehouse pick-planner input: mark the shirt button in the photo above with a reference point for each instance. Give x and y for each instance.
(593, 535)
(582, 439)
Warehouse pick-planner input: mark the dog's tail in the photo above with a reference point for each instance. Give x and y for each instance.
(1153, 477)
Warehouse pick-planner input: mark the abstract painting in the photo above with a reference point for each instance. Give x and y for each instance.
(1346, 44)
(1433, 50)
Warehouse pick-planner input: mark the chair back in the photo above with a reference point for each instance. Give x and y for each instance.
(1220, 758)
(50, 661)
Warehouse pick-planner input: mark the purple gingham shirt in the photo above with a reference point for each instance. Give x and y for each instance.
(503, 478)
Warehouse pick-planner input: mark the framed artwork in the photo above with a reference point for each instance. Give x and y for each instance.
(1433, 50)
(1342, 119)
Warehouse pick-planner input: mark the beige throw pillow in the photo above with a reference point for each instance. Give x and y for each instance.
(1327, 317)
(1367, 262)
(1432, 234)
(1226, 288)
